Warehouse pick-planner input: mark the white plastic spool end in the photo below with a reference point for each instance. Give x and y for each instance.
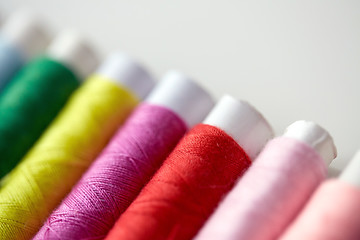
(75, 52)
(351, 173)
(183, 96)
(128, 73)
(27, 33)
(315, 136)
(243, 122)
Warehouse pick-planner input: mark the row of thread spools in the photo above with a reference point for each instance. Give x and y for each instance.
(113, 155)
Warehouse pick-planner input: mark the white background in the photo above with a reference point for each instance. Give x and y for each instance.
(291, 59)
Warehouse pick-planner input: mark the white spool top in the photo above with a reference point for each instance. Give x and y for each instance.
(351, 173)
(75, 52)
(243, 122)
(315, 136)
(27, 33)
(124, 71)
(183, 96)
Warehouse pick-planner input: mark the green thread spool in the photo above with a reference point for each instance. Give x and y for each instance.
(34, 97)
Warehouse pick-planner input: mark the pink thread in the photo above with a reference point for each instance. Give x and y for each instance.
(270, 194)
(333, 213)
(117, 176)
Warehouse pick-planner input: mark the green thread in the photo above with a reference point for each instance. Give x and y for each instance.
(28, 104)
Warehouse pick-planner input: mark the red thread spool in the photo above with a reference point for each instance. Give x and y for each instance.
(193, 179)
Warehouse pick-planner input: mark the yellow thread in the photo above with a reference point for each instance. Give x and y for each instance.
(56, 162)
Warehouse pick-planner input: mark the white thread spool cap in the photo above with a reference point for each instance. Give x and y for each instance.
(315, 136)
(243, 122)
(183, 96)
(124, 71)
(75, 52)
(27, 33)
(351, 173)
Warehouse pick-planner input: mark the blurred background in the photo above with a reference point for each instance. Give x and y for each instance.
(290, 59)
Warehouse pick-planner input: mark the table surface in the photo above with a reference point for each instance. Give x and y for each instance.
(291, 59)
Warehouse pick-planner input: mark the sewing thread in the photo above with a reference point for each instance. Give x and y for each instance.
(117, 175)
(56, 162)
(333, 213)
(11, 61)
(29, 104)
(22, 37)
(270, 194)
(186, 188)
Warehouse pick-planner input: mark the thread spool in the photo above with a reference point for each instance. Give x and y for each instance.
(66, 149)
(35, 96)
(130, 159)
(275, 188)
(191, 181)
(333, 213)
(22, 37)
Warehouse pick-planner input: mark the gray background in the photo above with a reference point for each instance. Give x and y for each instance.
(291, 59)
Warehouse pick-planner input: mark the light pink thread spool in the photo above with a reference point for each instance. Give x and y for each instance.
(275, 188)
(333, 213)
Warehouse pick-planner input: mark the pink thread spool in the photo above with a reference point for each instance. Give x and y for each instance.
(275, 187)
(130, 159)
(333, 213)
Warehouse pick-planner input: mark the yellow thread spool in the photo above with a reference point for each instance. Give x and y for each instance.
(63, 153)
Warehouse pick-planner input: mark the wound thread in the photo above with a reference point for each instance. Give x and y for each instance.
(186, 188)
(48, 172)
(29, 104)
(333, 213)
(270, 194)
(23, 37)
(11, 61)
(117, 176)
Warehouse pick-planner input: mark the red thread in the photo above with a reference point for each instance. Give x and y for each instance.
(186, 189)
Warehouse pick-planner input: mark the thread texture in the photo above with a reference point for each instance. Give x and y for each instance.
(333, 213)
(11, 61)
(186, 188)
(56, 162)
(27, 106)
(270, 194)
(117, 175)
